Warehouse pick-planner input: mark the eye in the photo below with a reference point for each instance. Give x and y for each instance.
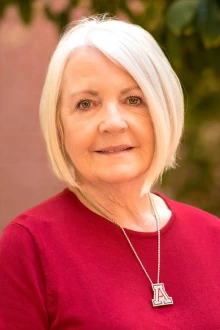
(134, 100)
(84, 104)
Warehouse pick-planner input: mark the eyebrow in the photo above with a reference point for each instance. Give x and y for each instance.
(86, 91)
(94, 93)
(126, 90)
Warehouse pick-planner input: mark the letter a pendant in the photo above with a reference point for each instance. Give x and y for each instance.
(161, 298)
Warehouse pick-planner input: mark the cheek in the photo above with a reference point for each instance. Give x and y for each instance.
(151, 137)
(73, 144)
(71, 140)
(146, 131)
(77, 140)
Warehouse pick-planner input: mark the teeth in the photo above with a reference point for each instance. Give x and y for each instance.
(113, 150)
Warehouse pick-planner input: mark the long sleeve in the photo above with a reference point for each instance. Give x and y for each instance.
(22, 285)
(64, 267)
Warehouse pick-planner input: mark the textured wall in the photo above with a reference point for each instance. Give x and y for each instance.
(24, 56)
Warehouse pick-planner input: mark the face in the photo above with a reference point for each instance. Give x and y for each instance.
(108, 132)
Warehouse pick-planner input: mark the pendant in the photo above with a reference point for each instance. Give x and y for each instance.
(161, 298)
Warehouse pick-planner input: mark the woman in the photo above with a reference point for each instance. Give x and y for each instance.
(106, 253)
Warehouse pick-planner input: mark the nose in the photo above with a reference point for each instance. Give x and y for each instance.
(113, 120)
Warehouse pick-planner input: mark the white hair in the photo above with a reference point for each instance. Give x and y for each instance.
(135, 50)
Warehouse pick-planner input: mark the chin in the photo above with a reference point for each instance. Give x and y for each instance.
(113, 175)
(121, 177)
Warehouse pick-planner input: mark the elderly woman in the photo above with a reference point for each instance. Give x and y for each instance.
(107, 253)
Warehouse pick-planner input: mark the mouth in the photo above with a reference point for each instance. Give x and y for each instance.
(115, 150)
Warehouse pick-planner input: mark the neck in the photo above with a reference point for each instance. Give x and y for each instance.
(122, 202)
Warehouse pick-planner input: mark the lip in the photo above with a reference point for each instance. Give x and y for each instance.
(115, 149)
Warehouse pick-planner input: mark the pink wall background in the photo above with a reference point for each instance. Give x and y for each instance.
(25, 176)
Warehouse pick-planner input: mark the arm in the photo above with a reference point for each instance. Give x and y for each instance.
(22, 284)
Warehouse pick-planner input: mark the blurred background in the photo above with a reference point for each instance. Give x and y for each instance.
(189, 34)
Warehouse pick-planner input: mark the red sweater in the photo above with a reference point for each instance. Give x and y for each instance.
(64, 267)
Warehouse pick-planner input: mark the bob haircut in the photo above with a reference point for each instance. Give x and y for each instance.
(136, 51)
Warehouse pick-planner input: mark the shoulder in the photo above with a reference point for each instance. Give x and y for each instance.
(192, 215)
(58, 219)
(186, 209)
(50, 213)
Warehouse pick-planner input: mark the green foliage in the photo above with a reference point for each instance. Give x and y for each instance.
(25, 8)
(209, 22)
(189, 32)
(180, 14)
(61, 19)
(187, 16)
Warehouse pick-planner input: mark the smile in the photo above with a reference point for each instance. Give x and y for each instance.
(112, 150)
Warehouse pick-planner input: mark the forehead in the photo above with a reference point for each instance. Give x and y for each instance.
(90, 63)
(86, 56)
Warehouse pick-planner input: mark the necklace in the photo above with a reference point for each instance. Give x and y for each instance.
(160, 296)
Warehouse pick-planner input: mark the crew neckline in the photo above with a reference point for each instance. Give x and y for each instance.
(130, 232)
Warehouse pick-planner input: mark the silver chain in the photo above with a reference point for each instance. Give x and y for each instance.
(157, 218)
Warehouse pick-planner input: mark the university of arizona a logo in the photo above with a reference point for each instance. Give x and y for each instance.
(161, 298)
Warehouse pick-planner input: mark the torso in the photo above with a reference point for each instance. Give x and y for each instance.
(94, 282)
